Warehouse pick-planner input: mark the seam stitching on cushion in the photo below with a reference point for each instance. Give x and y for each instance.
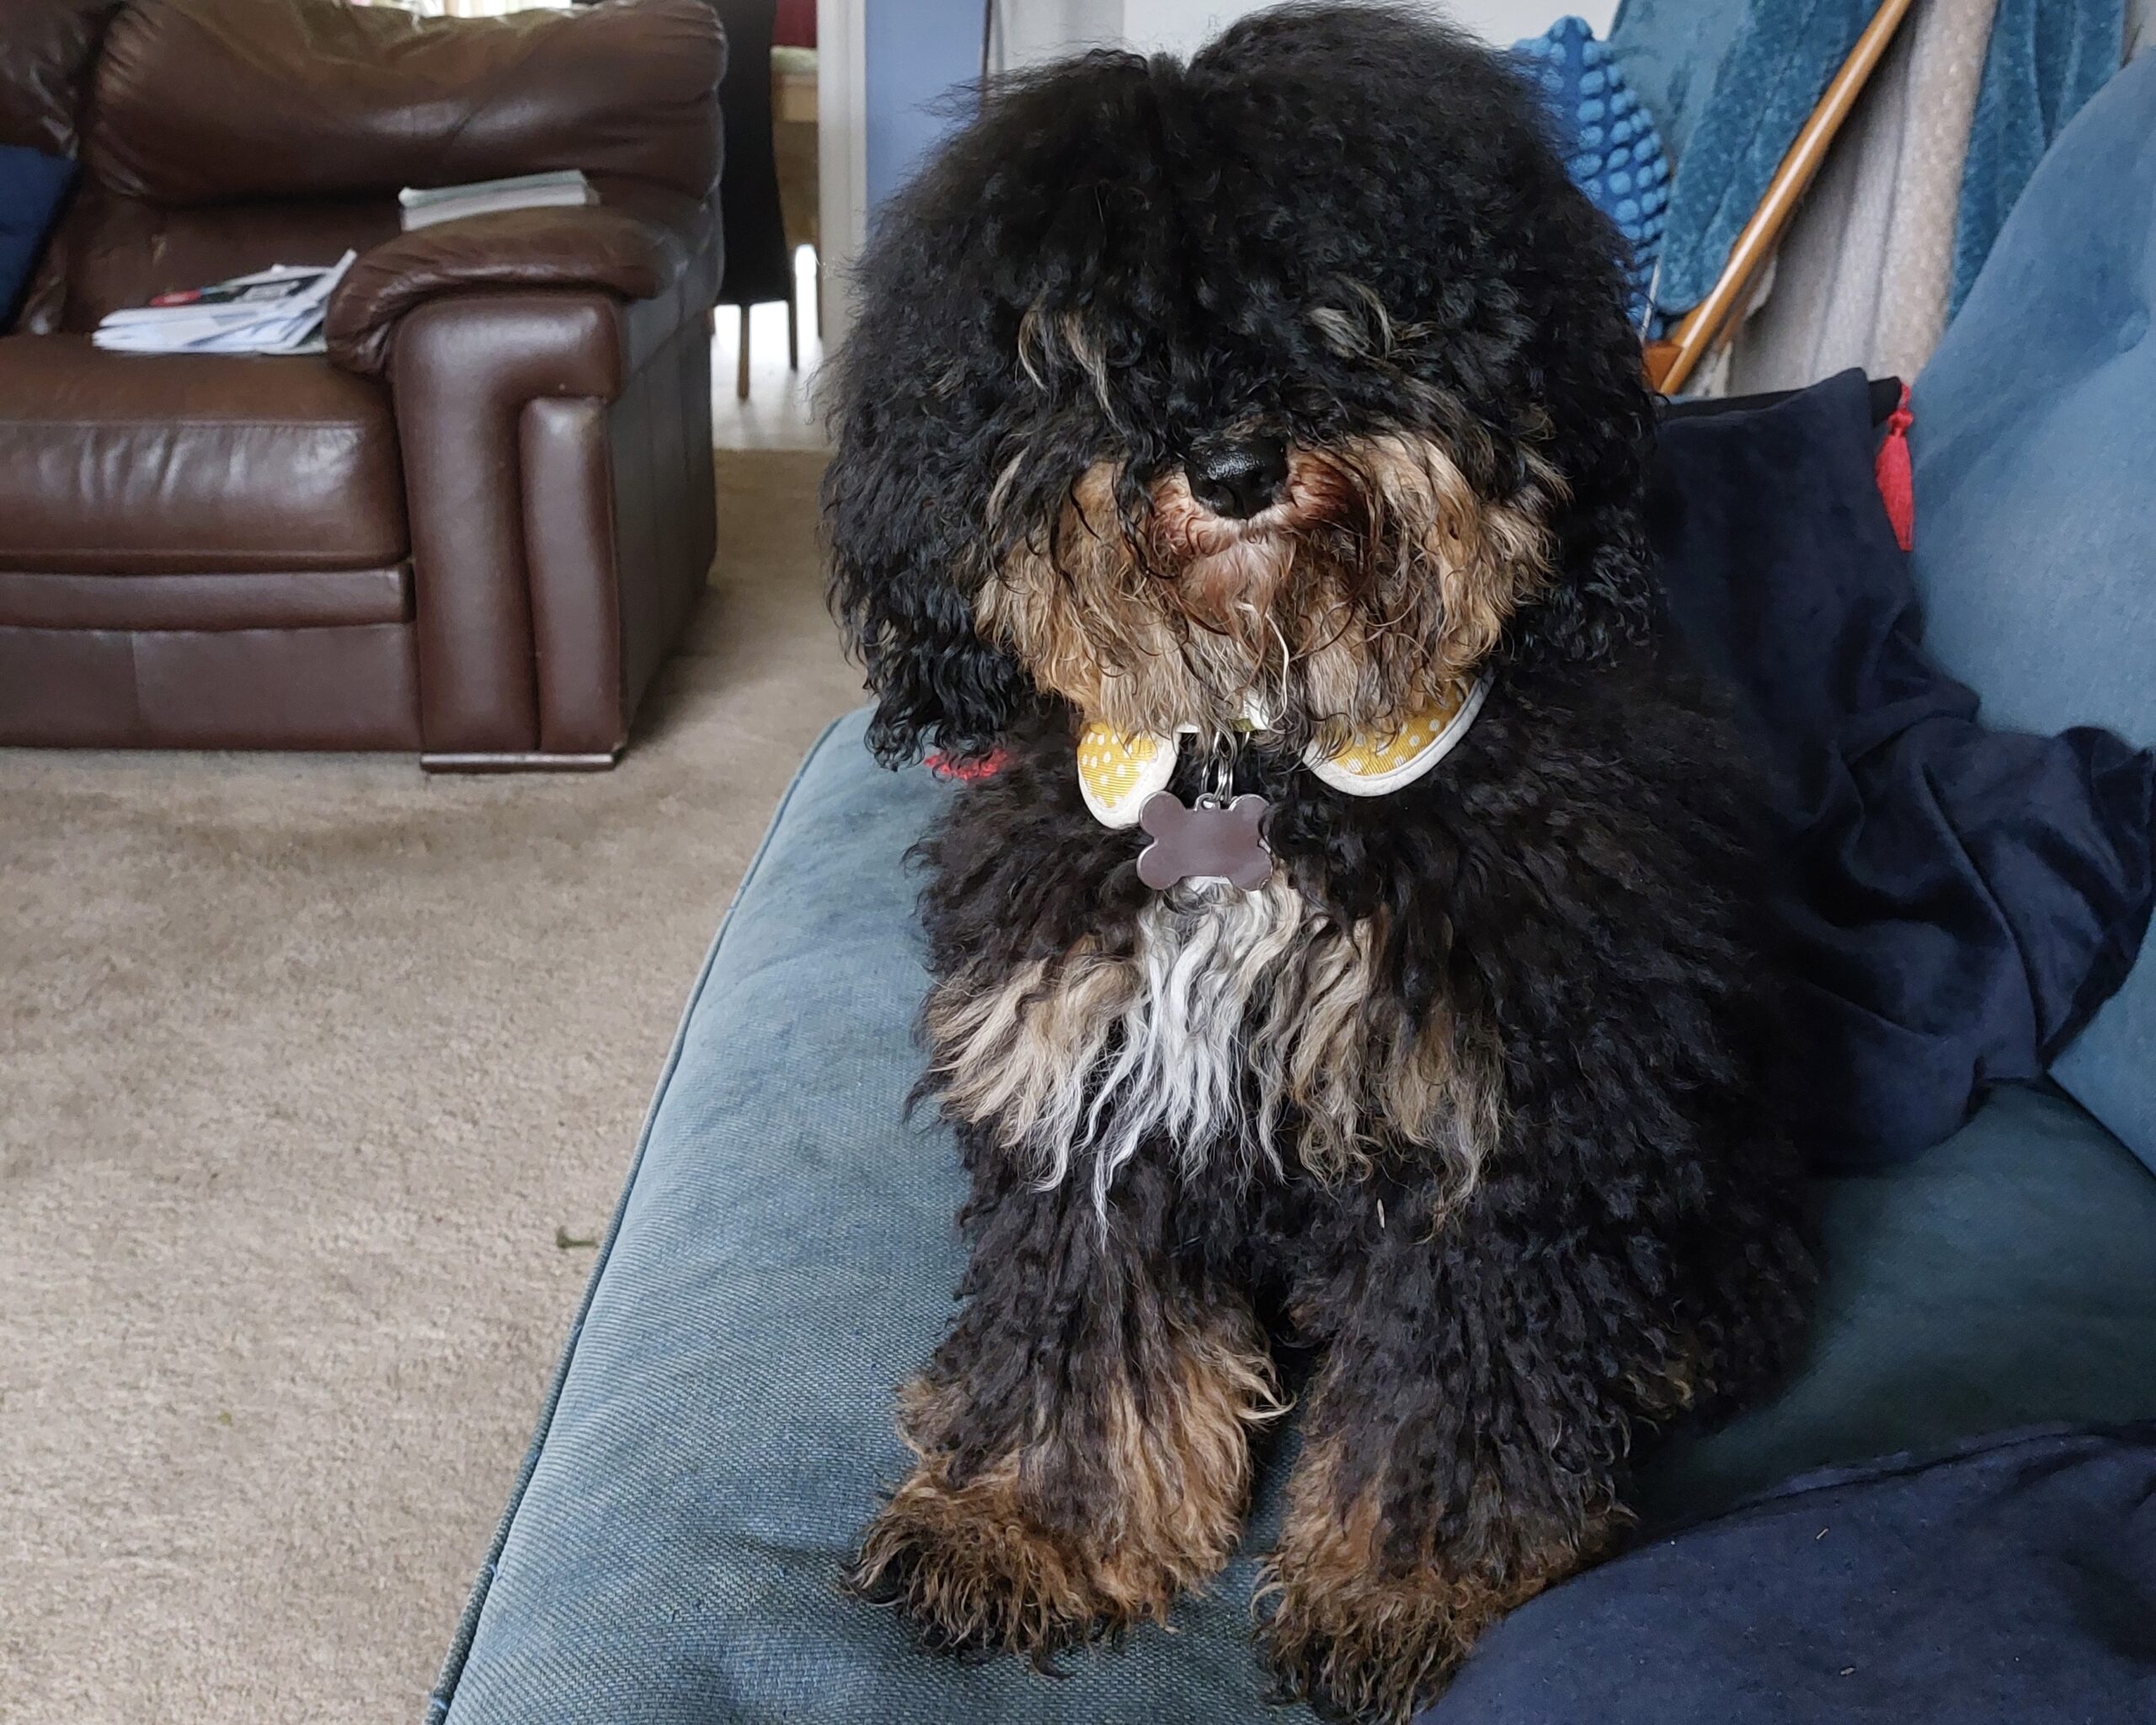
(444, 1695)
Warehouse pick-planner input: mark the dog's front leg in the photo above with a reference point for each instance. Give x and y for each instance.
(1460, 1443)
(1082, 1434)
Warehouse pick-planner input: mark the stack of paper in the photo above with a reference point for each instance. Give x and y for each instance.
(526, 191)
(279, 310)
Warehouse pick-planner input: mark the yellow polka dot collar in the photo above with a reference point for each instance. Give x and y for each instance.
(1117, 773)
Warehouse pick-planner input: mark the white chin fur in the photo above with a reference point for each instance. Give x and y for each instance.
(1231, 1014)
(1206, 950)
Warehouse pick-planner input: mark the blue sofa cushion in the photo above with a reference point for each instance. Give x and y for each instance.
(2035, 541)
(33, 188)
(785, 1252)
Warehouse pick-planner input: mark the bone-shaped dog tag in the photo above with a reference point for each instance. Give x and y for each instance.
(1215, 840)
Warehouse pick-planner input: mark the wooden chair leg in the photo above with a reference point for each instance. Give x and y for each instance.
(741, 361)
(792, 327)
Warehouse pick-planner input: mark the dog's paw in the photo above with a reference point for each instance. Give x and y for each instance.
(1368, 1647)
(976, 1575)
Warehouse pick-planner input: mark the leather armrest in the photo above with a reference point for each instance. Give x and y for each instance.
(537, 456)
(588, 249)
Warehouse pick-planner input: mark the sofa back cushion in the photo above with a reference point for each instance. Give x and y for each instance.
(45, 50)
(225, 136)
(2035, 541)
(202, 102)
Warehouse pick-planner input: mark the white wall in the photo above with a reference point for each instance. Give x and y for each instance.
(1034, 30)
(1029, 32)
(841, 157)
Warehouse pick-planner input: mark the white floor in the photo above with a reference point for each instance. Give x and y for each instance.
(779, 413)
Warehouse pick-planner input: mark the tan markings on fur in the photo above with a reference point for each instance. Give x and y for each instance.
(1363, 328)
(1032, 353)
(1038, 334)
(1684, 1378)
(1381, 576)
(1342, 332)
(1079, 342)
(1233, 1013)
(984, 1559)
(1376, 1638)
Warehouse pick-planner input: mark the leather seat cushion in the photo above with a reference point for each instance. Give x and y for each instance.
(192, 464)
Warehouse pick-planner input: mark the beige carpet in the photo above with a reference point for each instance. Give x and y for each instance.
(306, 1065)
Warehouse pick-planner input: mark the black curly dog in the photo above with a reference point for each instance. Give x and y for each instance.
(1261, 401)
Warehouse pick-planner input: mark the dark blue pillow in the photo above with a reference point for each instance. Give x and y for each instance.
(33, 186)
(2010, 1582)
(1963, 899)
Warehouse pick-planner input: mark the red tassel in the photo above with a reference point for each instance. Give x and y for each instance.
(1890, 471)
(969, 770)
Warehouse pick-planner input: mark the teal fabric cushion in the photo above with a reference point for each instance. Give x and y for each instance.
(2035, 536)
(721, 1426)
(2006, 1277)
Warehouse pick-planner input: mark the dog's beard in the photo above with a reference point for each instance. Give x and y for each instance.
(1381, 576)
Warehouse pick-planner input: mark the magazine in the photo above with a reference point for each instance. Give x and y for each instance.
(423, 208)
(276, 311)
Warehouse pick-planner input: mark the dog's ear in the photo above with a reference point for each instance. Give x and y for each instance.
(902, 542)
(1606, 598)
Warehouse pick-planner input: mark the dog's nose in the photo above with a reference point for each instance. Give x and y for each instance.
(1240, 478)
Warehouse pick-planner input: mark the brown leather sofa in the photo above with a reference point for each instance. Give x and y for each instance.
(475, 527)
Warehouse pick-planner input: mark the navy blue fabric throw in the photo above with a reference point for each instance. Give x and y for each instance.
(2013, 1581)
(1963, 900)
(33, 188)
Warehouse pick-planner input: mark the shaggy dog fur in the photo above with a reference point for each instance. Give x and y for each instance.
(1467, 1106)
